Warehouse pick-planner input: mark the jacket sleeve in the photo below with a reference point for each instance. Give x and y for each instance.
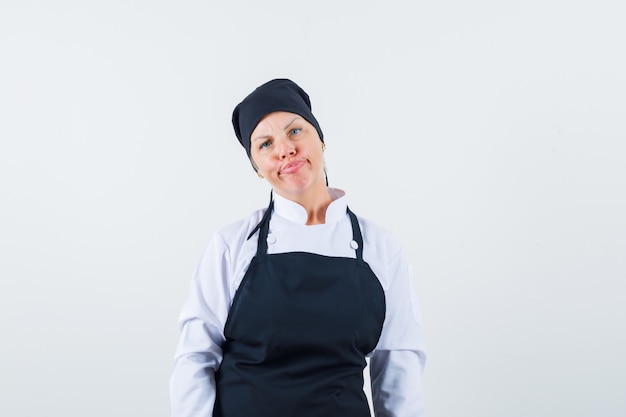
(201, 324)
(397, 364)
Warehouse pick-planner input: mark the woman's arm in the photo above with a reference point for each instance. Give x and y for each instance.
(397, 388)
(201, 323)
(397, 364)
(192, 384)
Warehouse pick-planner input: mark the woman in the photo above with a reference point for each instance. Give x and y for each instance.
(286, 304)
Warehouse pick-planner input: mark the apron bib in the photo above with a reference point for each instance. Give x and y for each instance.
(297, 334)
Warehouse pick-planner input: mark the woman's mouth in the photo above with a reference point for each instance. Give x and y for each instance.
(291, 167)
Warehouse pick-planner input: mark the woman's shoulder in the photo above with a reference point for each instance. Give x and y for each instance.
(236, 232)
(376, 233)
(379, 238)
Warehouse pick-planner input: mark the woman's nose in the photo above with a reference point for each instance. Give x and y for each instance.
(286, 148)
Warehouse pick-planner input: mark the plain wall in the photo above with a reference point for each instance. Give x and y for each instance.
(488, 136)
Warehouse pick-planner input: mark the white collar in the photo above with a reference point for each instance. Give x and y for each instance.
(294, 212)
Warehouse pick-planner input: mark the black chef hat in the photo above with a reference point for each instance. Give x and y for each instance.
(275, 95)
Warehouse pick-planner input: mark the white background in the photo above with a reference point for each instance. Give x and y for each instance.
(488, 136)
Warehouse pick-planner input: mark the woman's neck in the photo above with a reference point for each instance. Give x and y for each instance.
(315, 202)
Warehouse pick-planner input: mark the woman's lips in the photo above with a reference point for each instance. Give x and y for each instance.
(291, 167)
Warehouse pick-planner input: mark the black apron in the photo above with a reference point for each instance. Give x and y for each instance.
(297, 334)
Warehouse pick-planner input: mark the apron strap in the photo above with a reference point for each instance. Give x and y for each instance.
(261, 247)
(263, 227)
(267, 214)
(356, 234)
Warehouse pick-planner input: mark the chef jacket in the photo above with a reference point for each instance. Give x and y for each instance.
(397, 362)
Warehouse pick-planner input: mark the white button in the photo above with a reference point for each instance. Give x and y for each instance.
(354, 245)
(271, 239)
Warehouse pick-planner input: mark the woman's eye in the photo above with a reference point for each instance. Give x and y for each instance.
(265, 144)
(295, 131)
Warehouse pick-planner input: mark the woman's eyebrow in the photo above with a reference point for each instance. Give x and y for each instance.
(261, 137)
(291, 122)
(267, 136)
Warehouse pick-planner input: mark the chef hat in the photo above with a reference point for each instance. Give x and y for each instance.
(275, 95)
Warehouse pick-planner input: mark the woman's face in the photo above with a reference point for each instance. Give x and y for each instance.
(287, 151)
